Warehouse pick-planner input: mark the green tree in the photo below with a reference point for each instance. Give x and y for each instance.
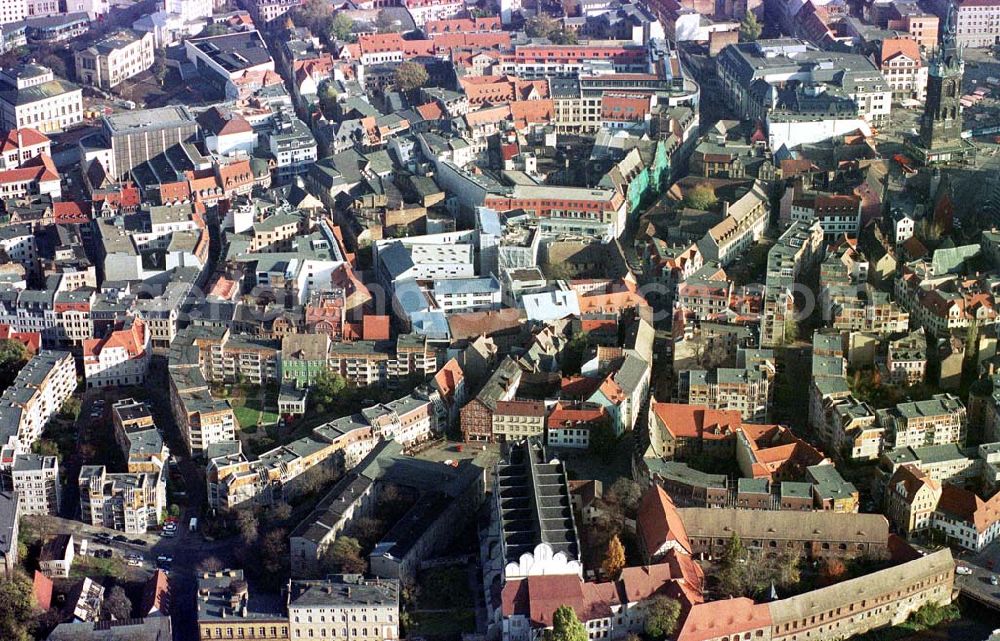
(791, 330)
(71, 408)
(327, 387)
(614, 558)
(214, 29)
(315, 15)
(46, 447)
(541, 26)
(750, 28)
(116, 605)
(701, 196)
(603, 441)
(410, 75)
(328, 98)
(341, 27)
(573, 353)
(17, 607)
(385, 23)
(13, 356)
(565, 626)
(345, 556)
(662, 614)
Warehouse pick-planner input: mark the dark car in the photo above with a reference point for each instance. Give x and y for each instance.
(121, 539)
(138, 542)
(103, 538)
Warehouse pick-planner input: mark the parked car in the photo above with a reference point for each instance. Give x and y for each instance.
(964, 571)
(121, 538)
(138, 542)
(994, 580)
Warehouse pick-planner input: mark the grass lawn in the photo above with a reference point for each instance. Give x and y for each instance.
(442, 624)
(444, 604)
(246, 416)
(442, 588)
(97, 568)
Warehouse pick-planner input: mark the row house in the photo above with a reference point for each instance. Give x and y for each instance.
(140, 442)
(744, 222)
(877, 600)
(863, 310)
(476, 417)
(120, 358)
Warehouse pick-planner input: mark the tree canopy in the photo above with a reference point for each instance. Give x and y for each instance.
(662, 614)
(750, 28)
(566, 626)
(344, 555)
(116, 604)
(410, 75)
(614, 558)
(13, 356)
(701, 196)
(341, 27)
(326, 388)
(16, 608)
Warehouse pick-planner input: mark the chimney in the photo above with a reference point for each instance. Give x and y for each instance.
(19, 143)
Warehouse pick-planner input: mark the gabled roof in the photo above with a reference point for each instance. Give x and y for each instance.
(893, 47)
(659, 522)
(23, 137)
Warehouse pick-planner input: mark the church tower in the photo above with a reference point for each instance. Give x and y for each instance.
(941, 124)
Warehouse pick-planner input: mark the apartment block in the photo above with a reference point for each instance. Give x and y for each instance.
(138, 438)
(35, 396)
(35, 479)
(131, 503)
(937, 421)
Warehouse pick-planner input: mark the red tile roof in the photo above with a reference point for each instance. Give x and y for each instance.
(892, 47)
(38, 169)
(449, 378)
(155, 595)
(621, 107)
(71, 211)
(720, 619)
(132, 340)
(520, 408)
(659, 522)
(697, 421)
(23, 137)
(31, 340)
(967, 506)
(572, 415)
(42, 589)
